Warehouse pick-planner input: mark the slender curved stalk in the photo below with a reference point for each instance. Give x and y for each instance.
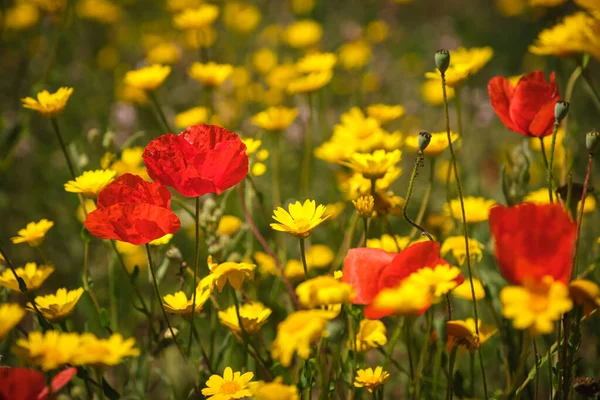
(536, 358)
(86, 276)
(584, 193)
(244, 334)
(56, 128)
(568, 94)
(159, 111)
(549, 177)
(425, 200)
(408, 340)
(204, 355)
(303, 256)
(450, 388)
(266, 246)
(392, 344)
(464, 225)
(366, 228)
(418, 377)
(159, 298)
(543, 150)
(196, 257)
(411, 183)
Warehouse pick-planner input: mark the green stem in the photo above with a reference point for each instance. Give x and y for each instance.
(464, 225)
(536, 359)
(159, 111)
(275, 169)
(584, 193)
(306, 161)
(550, 373)
(303, 256)
(592, 89)
(450, 388)
(425, 201)
(418, 377)
(159, 298)
(408, 343)
(196, 261)
(411, 183)
(54, 122)
(458, 103)
(392, 344)
(568, 94)
(244, 334)
(551, 161)
(99, 378)
(204, 355)
(366, 228)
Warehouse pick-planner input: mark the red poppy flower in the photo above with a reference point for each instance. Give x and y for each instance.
(202, 159)
(372, 270)
(133, 210)
(528, 107)
(28, 384)
(532, 241)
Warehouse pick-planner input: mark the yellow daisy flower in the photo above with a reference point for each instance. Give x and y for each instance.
(438, 280)
(228, 387)
(431, 91)
(254, 316)
(319, 256)
(540, 196)
(455, 245)
(56, 307)
(303, 33)
(371, 335)
(241, 17)
(390, 244)
(296, 334)
(34, 233)
(463, 291)
(316, 62)
(275, 390)
(464, 333)
(364, 205)
(49, 104)
(309, 83)
(193, 116)
(300, 219)
(90, 183)
(536, 305)
(10, 315)
(333, 210)
(48, 350)
(354, 55)
(165, 53)
(477, 209)
(585, 294)
(371, 379)
(104, 352)
(21, 16)
(266, 263)
(102, 11)
(196, 18)
(179, 304)
(324, 290)
(437, 145)
(384, 113)
(210, 74)
(232, 272)
(229, 225)
(275, 118)
(407, 299)
(32, 274)
(374, 165)
(147, 78)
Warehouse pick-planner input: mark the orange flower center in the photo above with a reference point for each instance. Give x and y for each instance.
(538, 302)
(230, 387)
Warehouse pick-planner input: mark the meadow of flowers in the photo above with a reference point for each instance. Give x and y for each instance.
(299, 199)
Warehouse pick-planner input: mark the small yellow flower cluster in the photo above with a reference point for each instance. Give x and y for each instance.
(256, 155)
(34, 233)
(53, 349)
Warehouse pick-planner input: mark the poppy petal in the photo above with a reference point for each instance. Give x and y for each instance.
(501, 92)
(362, 268)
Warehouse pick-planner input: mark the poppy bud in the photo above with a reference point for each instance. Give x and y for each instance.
(561, 108)
(424, 139)
(592, 138)
(442, 60)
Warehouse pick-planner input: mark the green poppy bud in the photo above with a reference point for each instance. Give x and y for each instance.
(442, 60)
(592, 138)
(424, 139)
(560, 110)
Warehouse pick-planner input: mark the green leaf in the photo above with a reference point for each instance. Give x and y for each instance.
(104, 317)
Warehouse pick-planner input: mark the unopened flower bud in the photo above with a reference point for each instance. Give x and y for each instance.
(364, 205)
(442, 60)
(561, 108)
(424, 139)
(592, 138)
(167, 335)
(174, 254)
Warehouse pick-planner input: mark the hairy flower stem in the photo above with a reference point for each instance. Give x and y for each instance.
(303, 255)
(425, 200)
(450, 388)
(549, 177)
(244, 335)
(204, 355)
(196, 260)
(426, 344)
(543, 150)
(415, 171)
(159, 298)
(464, 225)
(99, 378)
(159, 111)
(366, 228)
